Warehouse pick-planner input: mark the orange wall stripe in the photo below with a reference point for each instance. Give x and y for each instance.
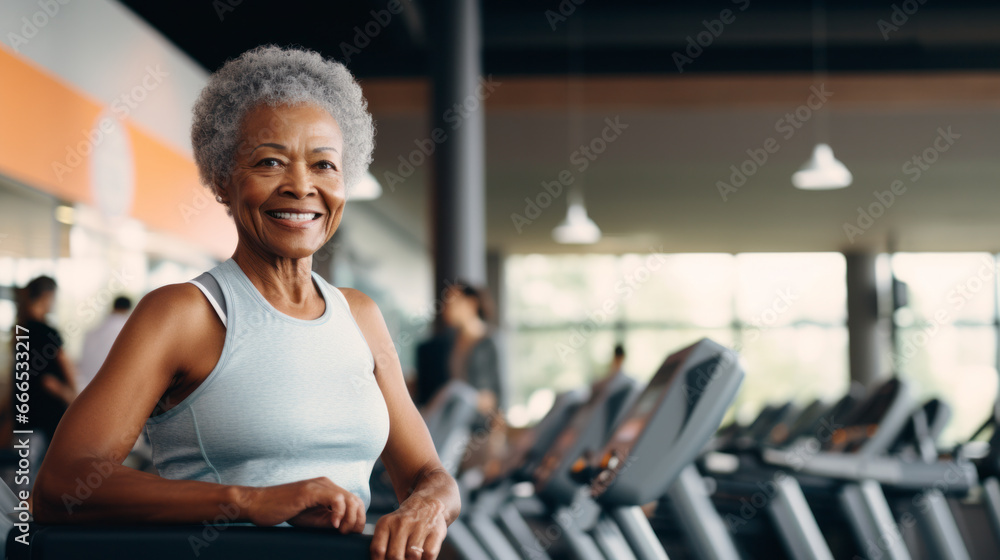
(42, 119)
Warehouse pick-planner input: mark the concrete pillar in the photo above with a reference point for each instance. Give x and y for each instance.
(864, 326)
(458, 184)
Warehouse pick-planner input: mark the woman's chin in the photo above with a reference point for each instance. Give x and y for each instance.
(294, 253)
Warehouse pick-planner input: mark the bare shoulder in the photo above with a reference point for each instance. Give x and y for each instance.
(370, 321)
(362, 306)
(172, 329)
(179, 311)
(174, 300)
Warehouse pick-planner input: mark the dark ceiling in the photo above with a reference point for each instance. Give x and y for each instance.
(657, 186)
(598, 37)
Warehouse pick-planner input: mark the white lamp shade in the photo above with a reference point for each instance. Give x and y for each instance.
(822, 171)
(577, 228)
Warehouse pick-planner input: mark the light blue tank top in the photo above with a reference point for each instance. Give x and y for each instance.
(289, 399)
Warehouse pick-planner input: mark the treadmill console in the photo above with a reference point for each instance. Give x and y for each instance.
(586, 430)
(668, 425)
(876, 424)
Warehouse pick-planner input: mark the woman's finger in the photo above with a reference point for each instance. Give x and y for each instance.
(380, 542)
(360, 517)
(432, 544)
(349, 519)
(415, 549)
(399, 535)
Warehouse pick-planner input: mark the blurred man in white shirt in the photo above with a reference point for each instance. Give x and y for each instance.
(98, 342)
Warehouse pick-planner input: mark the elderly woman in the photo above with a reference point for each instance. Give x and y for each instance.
(271, 405)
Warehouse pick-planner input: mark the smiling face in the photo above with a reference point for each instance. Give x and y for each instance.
(287, 190)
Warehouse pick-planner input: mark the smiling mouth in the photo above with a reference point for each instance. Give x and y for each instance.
(294, 216)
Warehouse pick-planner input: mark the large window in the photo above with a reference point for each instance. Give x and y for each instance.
(946, 335)
(785, 313)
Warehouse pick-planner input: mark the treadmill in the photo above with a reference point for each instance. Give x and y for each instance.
(853, 465)
(764, 507)
(587, 428)
(599, 517)
(482, 505)
(979, 516)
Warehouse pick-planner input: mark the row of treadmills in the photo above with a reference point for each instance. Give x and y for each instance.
(861, 478)
(625, 471)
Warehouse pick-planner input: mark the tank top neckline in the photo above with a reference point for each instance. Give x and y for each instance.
(317, 281)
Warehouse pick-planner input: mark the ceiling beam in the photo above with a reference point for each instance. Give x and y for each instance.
(884, 92)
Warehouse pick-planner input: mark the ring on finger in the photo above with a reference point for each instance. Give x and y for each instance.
(417, 548)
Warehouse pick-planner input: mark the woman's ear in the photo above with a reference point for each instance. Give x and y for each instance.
(221, 195)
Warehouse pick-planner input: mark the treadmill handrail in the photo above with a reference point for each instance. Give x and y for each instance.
(953, 475)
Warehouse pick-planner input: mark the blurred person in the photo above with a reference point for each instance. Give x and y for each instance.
(53, 385)
(617, 360)
(465, 351)
(614, 368)
(52, 377)
(292, 386)
(473, 355)
(97, 343)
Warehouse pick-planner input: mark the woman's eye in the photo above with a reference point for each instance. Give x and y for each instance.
(326, 165)
(268, 162)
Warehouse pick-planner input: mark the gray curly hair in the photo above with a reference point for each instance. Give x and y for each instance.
(277, 76)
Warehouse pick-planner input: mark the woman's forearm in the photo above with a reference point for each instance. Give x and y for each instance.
(437, 484)
(94, 490)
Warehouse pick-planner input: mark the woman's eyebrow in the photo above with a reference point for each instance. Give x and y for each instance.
(324, 149)
(269, 145)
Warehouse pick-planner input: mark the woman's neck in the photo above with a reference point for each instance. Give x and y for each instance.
(278, 279)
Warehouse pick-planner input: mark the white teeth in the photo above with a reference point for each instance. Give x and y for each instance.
(293, 217)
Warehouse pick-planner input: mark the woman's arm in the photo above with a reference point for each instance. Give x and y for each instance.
(428, 495)
(82, 479)
(101, 426)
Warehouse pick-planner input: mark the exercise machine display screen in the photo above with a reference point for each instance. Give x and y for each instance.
(568, 438)
(863, 425)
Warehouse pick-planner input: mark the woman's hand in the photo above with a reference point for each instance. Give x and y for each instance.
(317, 502)
(414, 531)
